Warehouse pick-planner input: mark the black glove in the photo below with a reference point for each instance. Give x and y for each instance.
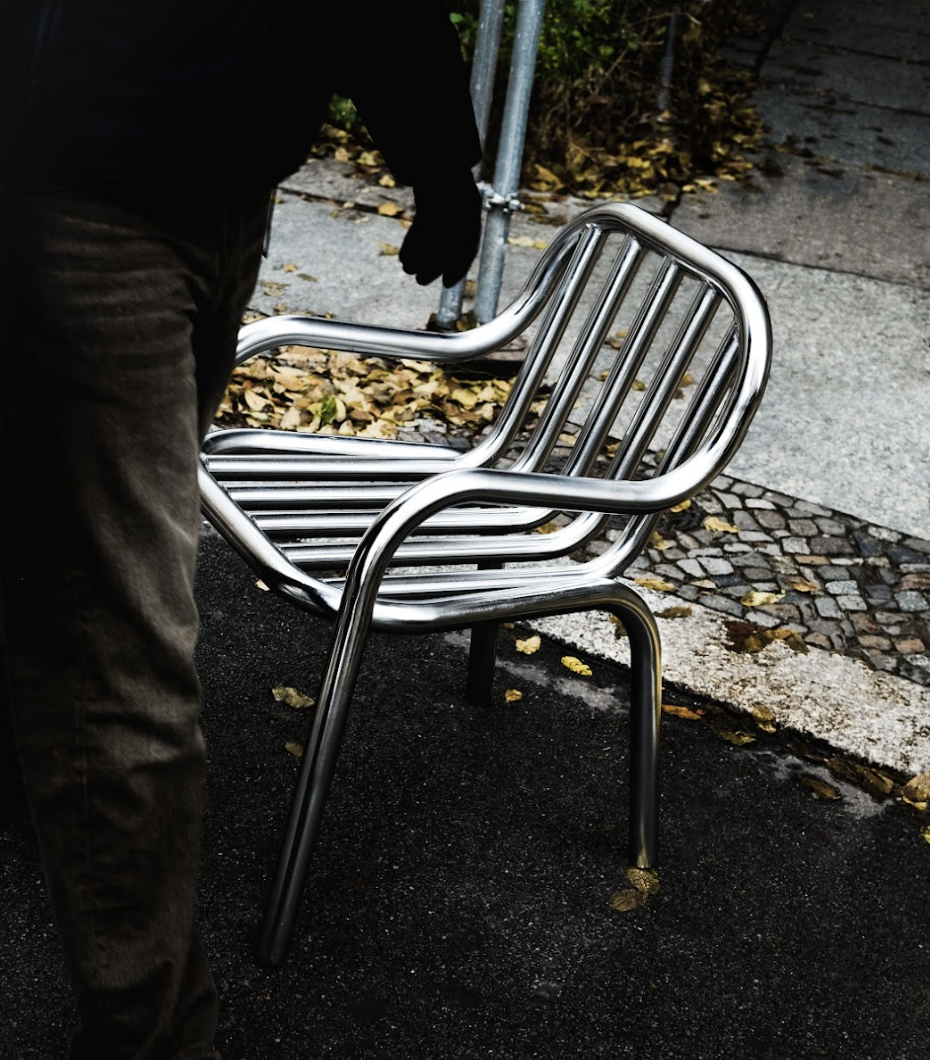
(446, 230)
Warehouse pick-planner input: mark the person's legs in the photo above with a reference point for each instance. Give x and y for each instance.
(120, 334)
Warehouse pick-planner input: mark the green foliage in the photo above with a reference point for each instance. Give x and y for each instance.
(601, 121)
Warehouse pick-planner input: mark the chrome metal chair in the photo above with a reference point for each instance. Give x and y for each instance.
(652, 351)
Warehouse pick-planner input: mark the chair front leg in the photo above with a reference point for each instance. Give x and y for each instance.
(645, 719)
(318, 764)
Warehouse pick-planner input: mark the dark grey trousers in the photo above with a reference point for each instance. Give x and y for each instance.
(118, 330)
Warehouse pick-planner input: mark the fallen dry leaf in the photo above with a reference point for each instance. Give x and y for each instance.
(680, 712)
(820, 789)
(765, 718)
(658, 584)
(757, 598)
(294, 749)
(513, 695)
(679, 611)
(715, 523)
(576, 665)
(752, 638)
(390, 209)
(627, 899)
(801, 585)
(735, 737)
(292, 697)
(646, 881)
(530, 645)
(527, 241)
(916, 791)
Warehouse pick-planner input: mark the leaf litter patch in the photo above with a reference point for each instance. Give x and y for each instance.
(317, 391)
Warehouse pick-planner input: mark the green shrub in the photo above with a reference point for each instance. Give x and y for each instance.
(597, 124)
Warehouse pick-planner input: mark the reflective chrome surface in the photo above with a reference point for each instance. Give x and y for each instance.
(652, 353)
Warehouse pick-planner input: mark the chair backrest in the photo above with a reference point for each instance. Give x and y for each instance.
(649, 351)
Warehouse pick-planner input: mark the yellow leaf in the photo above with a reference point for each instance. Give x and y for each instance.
(387, 181)
(513, 695)
(388, 250)
(546, 176)
(547, 528)
(466, 398)
(765, 718)
(925, 834)
(390, 209)
(680, 712)
(530, 645)
(801, 585)
(255, 400)
(712, 522)
(738, 739)
(655, 583)
(527, 241)
(292, 697)
(820, 789)
(657, 541)
(646, 881)
(295, 749)
(261, 585)
(681, 611)
(757, 598)
(576, 665)
(289, 266)
(624, 901)
(683, 507)
(917, 791)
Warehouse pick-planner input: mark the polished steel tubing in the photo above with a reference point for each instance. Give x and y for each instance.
(580, 360)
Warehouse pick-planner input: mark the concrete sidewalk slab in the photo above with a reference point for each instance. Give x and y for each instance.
(880, 719)
(843, 422)
(823, 214)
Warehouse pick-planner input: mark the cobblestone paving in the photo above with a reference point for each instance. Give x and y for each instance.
(842, 584)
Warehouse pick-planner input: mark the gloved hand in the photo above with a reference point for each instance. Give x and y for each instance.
(443, 239)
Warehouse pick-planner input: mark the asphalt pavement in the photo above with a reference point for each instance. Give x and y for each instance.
(469, 897)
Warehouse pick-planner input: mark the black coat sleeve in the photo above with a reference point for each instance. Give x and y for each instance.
(406, 76)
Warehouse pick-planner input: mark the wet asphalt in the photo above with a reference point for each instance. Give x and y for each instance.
(462, 901)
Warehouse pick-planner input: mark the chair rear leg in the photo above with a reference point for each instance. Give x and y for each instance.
(482, 656)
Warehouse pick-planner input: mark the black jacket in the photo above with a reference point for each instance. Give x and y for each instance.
(165, 95)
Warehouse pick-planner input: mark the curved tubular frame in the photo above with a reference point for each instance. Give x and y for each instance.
(301, 508)
(321, 750)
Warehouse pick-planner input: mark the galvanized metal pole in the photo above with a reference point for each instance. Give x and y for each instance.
(483, 73)
(667, 65)
(503, 198)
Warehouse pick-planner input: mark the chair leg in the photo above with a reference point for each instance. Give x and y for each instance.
(482, 655)
(645, 719)
(318, 764)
